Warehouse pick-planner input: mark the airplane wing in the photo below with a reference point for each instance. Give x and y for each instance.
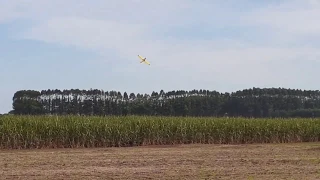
(140, 57)
(147, 62)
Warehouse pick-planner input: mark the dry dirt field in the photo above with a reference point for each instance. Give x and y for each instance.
(256, 161)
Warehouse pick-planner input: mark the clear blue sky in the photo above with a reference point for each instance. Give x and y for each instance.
(214, 45)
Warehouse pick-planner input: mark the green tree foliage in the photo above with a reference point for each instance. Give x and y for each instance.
(255, 102)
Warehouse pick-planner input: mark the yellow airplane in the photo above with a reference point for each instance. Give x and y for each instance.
(143, 60)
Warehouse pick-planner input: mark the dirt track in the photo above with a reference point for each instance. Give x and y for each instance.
(282, 161)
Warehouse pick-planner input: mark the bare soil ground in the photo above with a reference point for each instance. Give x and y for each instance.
(255, 161)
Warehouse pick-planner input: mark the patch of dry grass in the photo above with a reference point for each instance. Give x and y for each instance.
(256, 161)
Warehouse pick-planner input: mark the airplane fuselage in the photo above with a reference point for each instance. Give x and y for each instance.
(143, 60)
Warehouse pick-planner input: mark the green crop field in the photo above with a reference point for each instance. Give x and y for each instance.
(89, 131)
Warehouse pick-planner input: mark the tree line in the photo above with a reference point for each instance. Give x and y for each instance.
(254, 102)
